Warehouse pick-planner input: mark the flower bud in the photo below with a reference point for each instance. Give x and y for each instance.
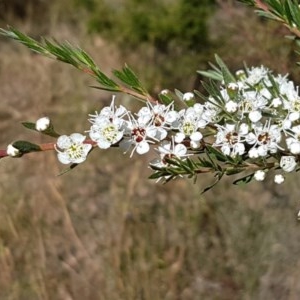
(188, 96)
(42, 124)
(259, 175)
(12, 151)
(278, 178)
(288, 163)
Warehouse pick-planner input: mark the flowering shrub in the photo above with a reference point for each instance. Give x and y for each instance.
(247, 123)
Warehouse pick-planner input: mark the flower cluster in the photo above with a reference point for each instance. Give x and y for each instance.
(252, 121)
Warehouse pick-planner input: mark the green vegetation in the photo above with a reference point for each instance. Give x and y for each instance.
(172, 35)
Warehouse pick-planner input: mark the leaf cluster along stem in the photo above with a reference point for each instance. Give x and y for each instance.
(82, 61)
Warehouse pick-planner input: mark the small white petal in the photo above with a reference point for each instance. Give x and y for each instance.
(63, 157)
(276, 102)
(77, 138)
(294, 116)
(255, 116)
(64, 142)
(225, 149)
(253, 153)
(239, 148)
(295, 147)
(244, 129)
(142, 147)
(179, 137)
(180, 150)
(196, 136)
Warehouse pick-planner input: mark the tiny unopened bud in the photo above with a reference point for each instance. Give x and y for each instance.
(189, 99)
(240, 74)
(42, 124)
(12, 151)
(165, 92)
(232, 89)
(188, 96)
(278, 178)
(259, 175)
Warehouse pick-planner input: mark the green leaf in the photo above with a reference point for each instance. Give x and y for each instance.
(71, 167)
(218, 154)
(165, 99)
(29, 125)
(227, 76)
(26, 147)
(244, 180)
(219, 177)
(127, 76)
(233, 170)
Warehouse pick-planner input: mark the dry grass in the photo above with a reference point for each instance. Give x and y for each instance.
(105, 232)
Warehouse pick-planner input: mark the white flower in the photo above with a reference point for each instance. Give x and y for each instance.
(256, 75)
(42, 124)
(230, 140)
(259, 175)
(159, 117)
(71, 149)
(137, 135)
(109, 112)
(106, 132)
(189, 123)
(265, 138)
(12, 151)
(278, 178)
(288, 163)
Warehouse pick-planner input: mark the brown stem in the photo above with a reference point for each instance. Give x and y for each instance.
(147, 98)
(261, 5)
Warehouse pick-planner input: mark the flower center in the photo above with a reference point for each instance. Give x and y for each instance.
(158, 120)
(110, 133)
(188, 128)
(264, 138)
(246, 106)
(75, 151)
(296, 106)
(138, 134)
(232, 138)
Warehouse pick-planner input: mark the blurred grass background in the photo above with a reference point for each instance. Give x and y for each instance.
(104, 231)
